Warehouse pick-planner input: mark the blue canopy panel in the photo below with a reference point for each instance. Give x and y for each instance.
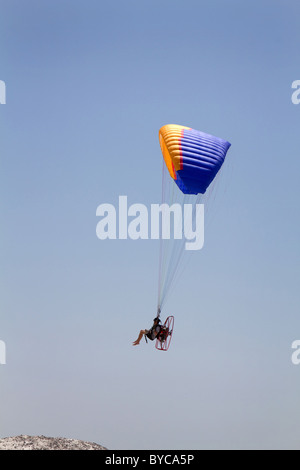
(201, 157)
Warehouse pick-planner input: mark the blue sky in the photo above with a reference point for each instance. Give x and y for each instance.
(89, 84)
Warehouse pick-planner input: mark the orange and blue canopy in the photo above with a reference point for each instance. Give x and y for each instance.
(193, 158)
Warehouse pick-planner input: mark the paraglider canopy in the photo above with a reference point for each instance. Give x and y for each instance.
(192, 160)
(192, 157)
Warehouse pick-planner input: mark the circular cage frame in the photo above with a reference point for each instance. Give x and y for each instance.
(164, 338)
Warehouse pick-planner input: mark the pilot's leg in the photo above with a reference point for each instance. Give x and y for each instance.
(137, 341)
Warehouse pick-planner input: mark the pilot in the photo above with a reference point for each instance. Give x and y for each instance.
(151, 334)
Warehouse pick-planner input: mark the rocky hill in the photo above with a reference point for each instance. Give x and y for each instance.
(46, 443)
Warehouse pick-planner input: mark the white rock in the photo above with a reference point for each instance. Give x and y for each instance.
(24, 442)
